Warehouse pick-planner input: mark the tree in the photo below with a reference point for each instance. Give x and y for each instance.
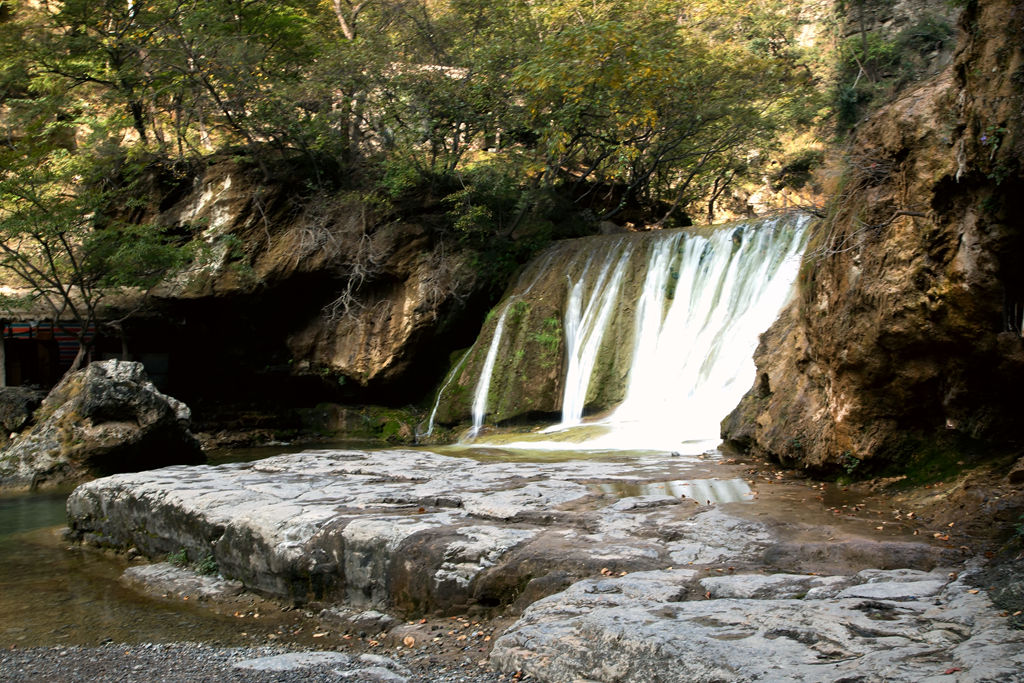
(650, 105)
(56, 249)
(662, 100)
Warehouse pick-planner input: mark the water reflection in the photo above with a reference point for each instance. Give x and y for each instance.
(55, 594)
(24, 513)
(704, 491)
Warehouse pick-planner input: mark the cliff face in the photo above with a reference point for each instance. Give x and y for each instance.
(326, 294)
(904, 342)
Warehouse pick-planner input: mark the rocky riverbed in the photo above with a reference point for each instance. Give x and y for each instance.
(193, 662)
(643, 568)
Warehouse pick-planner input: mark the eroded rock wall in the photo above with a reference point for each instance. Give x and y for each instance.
(904, 342)
(322, 285)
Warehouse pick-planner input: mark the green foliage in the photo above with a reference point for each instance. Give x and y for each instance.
(872, 67)
(207, 566)
(549, 336)
(651, 104)
(179, 558)
(518, 312)
(508, 113)
(57, 243)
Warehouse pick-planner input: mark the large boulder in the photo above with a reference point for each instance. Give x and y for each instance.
(318, 286)
(17, 405)
(104, 419)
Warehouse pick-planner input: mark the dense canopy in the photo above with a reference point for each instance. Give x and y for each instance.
(514, 113)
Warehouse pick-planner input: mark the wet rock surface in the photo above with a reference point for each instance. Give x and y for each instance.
(167, 580)
(105, 418)
(616, 575)
(417, 532)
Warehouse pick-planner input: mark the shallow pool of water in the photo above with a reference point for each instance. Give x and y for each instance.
(24, 513)
(704, 491)
(54, 593)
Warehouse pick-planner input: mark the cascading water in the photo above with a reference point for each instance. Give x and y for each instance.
(692, 360)
(692, 302)
(483, 385)
(447, 382)
(584, 329)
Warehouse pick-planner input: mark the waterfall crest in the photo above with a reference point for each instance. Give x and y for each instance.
(651, 334)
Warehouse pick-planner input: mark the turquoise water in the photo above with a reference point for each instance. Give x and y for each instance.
(24, 513)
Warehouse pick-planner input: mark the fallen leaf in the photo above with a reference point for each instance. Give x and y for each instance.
(409, 641)
(973, 590)
(952, 670)
(320, 635)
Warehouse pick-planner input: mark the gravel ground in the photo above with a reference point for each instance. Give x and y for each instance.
(196, 663)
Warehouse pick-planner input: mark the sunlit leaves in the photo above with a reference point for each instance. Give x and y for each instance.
(651, 102)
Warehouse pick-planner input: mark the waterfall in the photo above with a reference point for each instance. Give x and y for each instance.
(483, 385)
(692, 359)
(584, 329)
(447, 382)
(688, 304)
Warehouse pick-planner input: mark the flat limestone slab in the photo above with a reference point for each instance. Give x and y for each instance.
(166, 579)
(409, 530)
(647, 628)
(413, 532)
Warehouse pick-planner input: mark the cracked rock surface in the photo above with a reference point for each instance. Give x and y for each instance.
(896, 625)
(688, 591)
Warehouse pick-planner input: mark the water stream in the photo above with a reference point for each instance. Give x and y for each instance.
(585, 325)
(706, 295)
